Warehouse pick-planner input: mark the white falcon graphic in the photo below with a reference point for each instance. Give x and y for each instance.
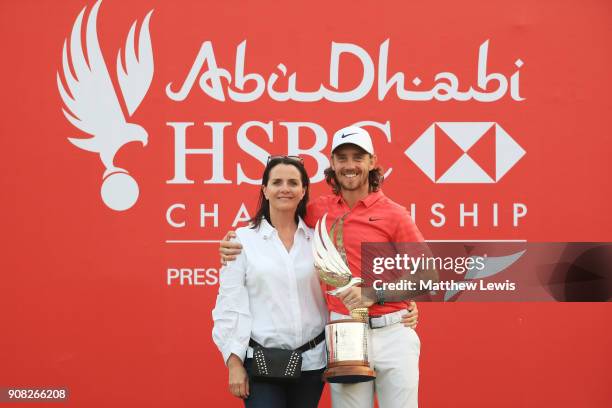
(92, 105)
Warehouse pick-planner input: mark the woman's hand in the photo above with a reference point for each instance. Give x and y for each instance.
(238, 377)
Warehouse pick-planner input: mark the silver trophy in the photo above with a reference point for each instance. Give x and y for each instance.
(347, 340)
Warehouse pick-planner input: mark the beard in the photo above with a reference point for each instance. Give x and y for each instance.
(356, 183)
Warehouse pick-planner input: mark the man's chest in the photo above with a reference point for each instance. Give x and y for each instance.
(359, 225)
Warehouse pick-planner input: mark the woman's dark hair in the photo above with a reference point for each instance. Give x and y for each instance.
(263, 206)
(375, 179)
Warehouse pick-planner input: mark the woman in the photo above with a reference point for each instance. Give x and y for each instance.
(270, 295)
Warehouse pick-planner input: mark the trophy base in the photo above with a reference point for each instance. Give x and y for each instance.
(349, 372)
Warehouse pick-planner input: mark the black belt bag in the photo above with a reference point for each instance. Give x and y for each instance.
(279, 364)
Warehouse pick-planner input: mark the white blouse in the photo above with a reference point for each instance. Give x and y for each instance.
(270, 295)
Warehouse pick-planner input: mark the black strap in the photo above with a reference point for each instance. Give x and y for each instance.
(308, 346)
(312, 343)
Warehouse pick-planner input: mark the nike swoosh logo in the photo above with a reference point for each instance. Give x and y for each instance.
(347, 135)
(375, 219)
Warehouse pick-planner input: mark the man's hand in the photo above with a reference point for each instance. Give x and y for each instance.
(238, 377)
(229, 249)
(411, 319)
(354, 297)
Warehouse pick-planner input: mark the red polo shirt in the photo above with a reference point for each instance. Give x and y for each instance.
(376, 218)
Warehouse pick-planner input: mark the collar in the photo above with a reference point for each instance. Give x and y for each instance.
(267, 230)
(368, 201)
(372, 198)
(302, 226)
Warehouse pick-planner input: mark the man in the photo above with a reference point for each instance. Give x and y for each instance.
(369, 216)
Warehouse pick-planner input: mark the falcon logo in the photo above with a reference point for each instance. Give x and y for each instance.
(92, 104)
(465, 152)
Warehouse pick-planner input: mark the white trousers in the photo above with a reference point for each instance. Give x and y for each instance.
(394, 353)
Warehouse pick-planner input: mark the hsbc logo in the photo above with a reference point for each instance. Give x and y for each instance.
(465, 152)
(100, 95)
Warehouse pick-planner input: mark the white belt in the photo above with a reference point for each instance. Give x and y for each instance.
(376, 322)
(387, 319)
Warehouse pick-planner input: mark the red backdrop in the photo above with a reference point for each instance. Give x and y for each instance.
(86, 299)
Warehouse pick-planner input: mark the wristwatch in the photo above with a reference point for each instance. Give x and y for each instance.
(380, 296)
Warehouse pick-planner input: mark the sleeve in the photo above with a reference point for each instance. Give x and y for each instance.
(407, 239)
(406, 230)
(231, 315)
(412, 244)
(314, 211)
(310, 218)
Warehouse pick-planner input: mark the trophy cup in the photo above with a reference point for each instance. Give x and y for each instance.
(346, 340)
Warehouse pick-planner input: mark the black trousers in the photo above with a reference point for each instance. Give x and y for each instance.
(304, 393)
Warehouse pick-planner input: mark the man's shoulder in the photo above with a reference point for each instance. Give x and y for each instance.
(392, 206)
(319, 206)
(322, 202)
(405, 229)
(324, 199)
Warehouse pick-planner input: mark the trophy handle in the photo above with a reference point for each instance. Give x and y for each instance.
(352, 282)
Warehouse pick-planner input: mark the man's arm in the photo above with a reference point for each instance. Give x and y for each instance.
(406, 278)
(405, 240)
(357, 297)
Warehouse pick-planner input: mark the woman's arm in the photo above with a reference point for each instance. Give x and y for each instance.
(238, 377)
(232, 323)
